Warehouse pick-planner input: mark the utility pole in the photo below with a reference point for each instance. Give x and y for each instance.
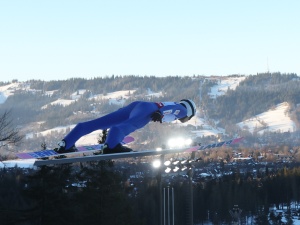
(159, 180)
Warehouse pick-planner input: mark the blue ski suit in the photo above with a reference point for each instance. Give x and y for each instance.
(126, 120)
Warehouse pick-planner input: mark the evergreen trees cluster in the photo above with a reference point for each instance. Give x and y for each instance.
(98, 193)
(65, 195)
(254, 195)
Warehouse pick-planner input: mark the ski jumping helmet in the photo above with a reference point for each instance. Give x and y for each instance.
(191, 109)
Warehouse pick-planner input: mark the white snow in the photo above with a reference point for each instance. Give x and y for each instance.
(21, 163)
(115, 98)
(50, 93)
(119, 94)
(224, 84)
(274, 120)
(150, 93)
(7, 90)
(76, 95)
(63, 102)
(115, 95)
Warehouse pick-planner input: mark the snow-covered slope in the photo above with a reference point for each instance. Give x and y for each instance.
(7, 90)
(63, 102)
(115, 98)
(224, 84)
(274, 120)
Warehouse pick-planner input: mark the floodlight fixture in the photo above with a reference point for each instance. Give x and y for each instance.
(175, 162)
(179, 142)
(168, 170)
(183, 161)
(156, 163)
(183, 168)
(176, 169)
(167, 163)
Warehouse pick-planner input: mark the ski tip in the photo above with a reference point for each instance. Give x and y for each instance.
(127, 140)
(24, 156)
(237, 140)
(193, 149)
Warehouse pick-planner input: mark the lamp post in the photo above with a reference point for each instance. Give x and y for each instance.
(166, 214)
(191, 202)
(157, 164)
(177, 165)
(168, 209)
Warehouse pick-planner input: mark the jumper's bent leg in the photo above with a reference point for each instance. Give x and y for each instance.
(139, 116)
(117, 133)
(104, 122)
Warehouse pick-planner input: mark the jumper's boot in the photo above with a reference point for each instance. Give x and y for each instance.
(117, 149)
(62, 148)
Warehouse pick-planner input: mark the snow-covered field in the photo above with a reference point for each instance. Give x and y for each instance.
(274, 120)
(7, 90)
(63, 102)
(115, 98)
(224, 84)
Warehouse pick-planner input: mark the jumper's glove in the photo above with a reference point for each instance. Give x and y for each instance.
(157, 116)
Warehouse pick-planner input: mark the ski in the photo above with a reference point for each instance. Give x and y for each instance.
(80, 149)
(135, 154)
(215, 145)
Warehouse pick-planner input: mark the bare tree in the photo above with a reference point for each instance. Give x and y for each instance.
(9, 134)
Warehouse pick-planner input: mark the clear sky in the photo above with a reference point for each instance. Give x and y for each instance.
(60, 39)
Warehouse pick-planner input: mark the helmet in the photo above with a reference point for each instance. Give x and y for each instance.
(191, 109)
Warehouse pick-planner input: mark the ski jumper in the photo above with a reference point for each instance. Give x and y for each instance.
(126, 120)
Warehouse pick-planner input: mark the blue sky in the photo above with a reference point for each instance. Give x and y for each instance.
(60, 39)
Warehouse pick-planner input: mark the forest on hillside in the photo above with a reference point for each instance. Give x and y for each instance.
(27, 105)
(257, 94)
(99, 193)
(254, 95)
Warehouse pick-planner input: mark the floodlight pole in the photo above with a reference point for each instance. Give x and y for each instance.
(160, 191)
(191, 202)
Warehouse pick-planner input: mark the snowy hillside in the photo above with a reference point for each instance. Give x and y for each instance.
(274, 120)
(115, 98)
(7, 90)
(224, 84)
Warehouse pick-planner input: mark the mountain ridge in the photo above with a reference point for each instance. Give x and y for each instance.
(51, 106)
